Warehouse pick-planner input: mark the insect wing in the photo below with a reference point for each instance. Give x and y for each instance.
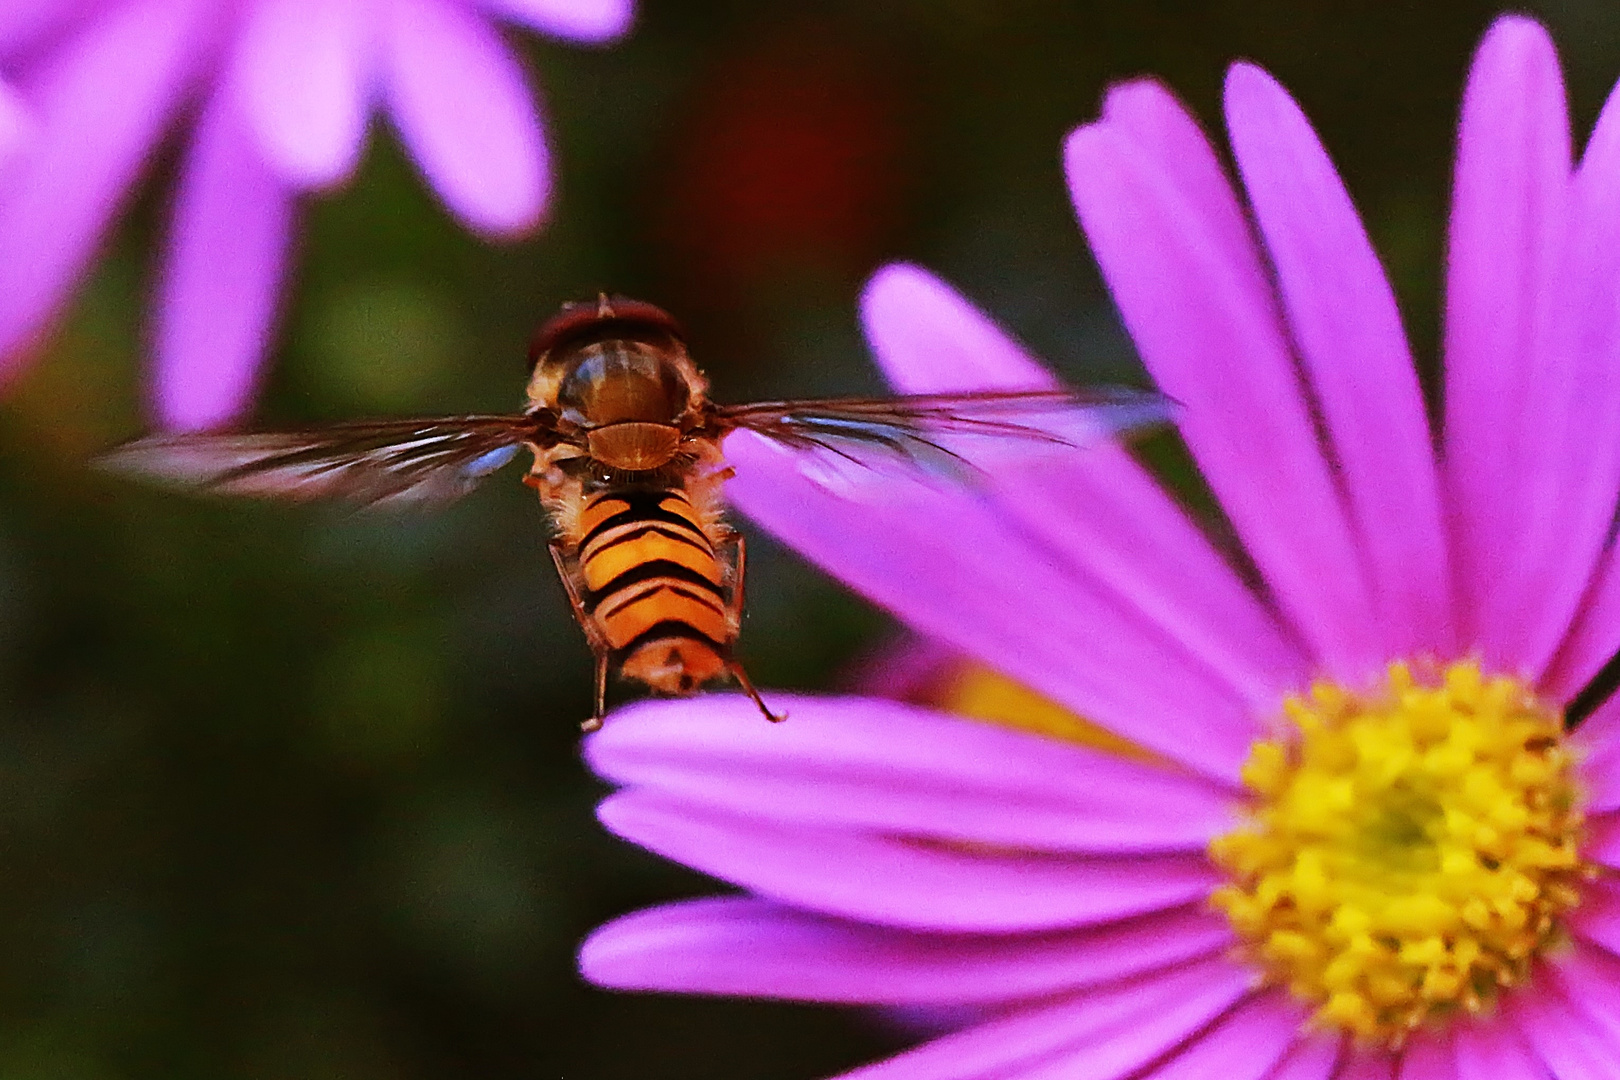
(389, 462)
(957, 435)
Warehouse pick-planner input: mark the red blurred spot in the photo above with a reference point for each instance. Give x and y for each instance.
(794, 154)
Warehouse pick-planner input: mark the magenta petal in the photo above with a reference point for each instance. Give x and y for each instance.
(1168, 235)
(308, 70)
(755, 948)
(1348, 331)
(1572, 402)
(466, 114)
(953, 568)
(1366, 1063)
(57, 198)
(1589, 980)
(1243, 1045)
(24, 23)
(587, 21)
(898, 882)
(1599, 738)
(1124, 1050)
(1598, 918)
(929, 339)
(1592, 640)
(1100, 1035)
(1600, 776)
(1489, 1049)
(16, 124)
(1560, 1034)
(1509, 216)
(1603, 840)
(221, 276)
(880, 766)
(1429, 1056)
(1100, 510)
(1157, 123)
(1314, 1057)
(1589, 373)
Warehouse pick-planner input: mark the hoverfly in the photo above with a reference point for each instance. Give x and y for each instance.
(628, 464)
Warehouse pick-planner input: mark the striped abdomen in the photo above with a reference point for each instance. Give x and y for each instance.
(654, 588)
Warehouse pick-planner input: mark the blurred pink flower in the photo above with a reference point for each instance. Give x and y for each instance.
(276, 95)
(903, 857)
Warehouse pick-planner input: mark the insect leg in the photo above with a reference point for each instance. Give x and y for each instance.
(741, 676)
(739, 562)
(595, 721)
(599, 648)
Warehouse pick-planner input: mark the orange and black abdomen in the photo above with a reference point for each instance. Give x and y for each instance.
(655, 588)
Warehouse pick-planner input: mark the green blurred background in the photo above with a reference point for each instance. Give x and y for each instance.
(289, 793)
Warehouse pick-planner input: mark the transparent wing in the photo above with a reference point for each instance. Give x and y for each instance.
(955, 434)
(421, 461)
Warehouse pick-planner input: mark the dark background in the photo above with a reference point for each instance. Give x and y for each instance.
(287, 793)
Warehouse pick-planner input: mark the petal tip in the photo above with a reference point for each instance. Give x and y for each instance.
(894, 287)
(1126, 96)
(1245, 77)
(1085, 147)
(612, 22)
(1514, 25)
(1515, 39)
(598, 956)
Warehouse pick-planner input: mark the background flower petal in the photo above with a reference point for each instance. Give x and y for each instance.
(1348, 332)
(307, 74)
(1168, 236)
(906, 883)
(748, 947)
(1099, 1035)
(588, 21)
(949, 564)
(1508, 220)
(1243, 1045)
(221, 276)
(466, 114)
(57, 198)
(880, 766)
(1100, 511)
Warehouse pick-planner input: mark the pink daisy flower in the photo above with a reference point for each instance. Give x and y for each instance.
(277, 94)
(1361, 845)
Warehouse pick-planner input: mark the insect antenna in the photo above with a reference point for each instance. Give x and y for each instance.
(1587, 700)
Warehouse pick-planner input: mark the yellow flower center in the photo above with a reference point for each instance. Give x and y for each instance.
(1408, 852)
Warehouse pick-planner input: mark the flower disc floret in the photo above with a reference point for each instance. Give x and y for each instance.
(1408, 852)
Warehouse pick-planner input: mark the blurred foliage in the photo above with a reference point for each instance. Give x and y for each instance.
(292, 793)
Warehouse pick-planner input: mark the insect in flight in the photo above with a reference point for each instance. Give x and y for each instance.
(628, 464)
